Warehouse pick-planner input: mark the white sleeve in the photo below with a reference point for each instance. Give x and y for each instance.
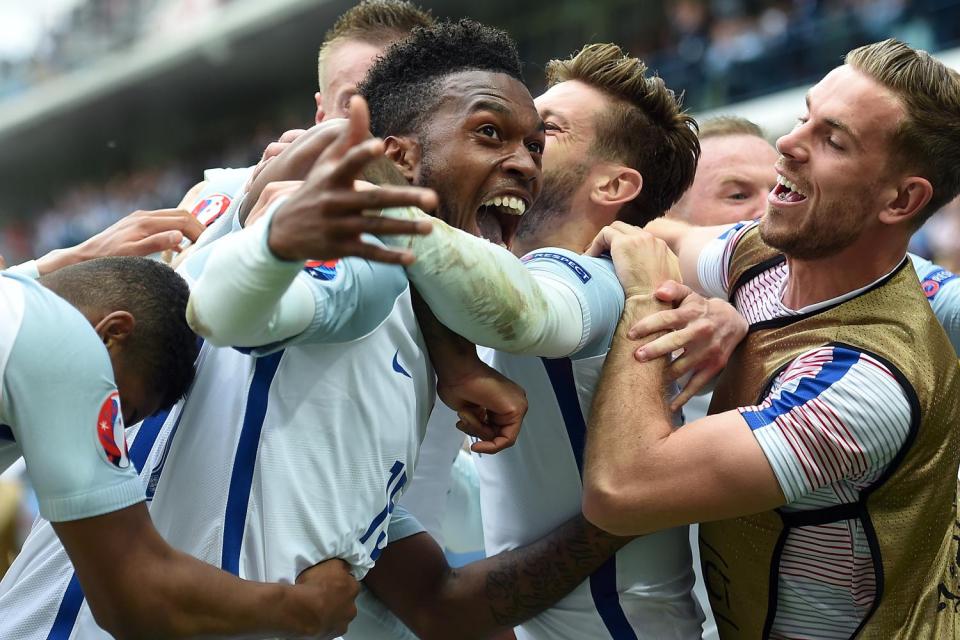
(942, 289)
(713, 265)
(245, 296)
(26, 269)
(484, 293)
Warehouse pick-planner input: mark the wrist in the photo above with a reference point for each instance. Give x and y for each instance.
(281, 243)
(58, 259)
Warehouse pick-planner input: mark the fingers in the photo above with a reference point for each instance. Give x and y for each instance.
(169, 220)
(348, 202)
(673, 291)
(497, 444)
(291, 135)
(341, 165)
(376, 253)
(601, 244)
(697, 382)
(359, 116)
(660, 321)
(663, 346)
(166, 241)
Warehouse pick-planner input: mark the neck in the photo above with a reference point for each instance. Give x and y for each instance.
(822, 279)
(568, 231)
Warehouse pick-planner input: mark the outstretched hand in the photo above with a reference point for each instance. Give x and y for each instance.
(324, 218)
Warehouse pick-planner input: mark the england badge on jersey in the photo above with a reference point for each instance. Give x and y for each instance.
(110, 432)
(210, 208)
(321, 269)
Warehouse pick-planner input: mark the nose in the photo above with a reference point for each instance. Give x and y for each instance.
(522, 165)
(792, 145)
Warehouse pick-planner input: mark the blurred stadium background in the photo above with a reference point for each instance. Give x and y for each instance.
(107, 106)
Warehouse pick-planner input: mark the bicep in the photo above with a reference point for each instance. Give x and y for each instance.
(715, 469)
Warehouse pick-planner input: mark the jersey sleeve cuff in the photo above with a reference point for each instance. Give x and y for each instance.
(93, 503)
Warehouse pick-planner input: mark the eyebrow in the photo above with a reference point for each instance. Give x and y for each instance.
(496, 107)
(836, 124)
(490, 105)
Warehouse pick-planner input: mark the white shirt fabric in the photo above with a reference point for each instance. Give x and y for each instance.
(272, 463)
(59, 406)
(644, 591)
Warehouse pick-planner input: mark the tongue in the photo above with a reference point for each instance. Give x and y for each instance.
(489, 226)
(793, 196)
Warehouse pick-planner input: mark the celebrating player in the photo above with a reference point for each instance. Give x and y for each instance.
(122, 319)
(835, 421)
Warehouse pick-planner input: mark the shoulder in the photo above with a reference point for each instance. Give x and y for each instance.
(835, 383)
(570, 264)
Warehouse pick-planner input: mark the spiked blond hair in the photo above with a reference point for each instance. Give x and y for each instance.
(646, 128)
(378, 22)
(928, 139)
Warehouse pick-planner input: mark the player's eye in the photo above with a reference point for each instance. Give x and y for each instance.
(535, 147)
(490, 131)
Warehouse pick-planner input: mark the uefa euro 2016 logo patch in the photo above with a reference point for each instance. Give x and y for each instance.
(210, 208)
(321, 269)
(110, 432)
(932, 283)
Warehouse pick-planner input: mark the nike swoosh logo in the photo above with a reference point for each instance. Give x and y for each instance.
(399, 367)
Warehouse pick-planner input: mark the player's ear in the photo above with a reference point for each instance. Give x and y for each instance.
(115, 328)
(403, 151)
(615, 185)
(320, 113)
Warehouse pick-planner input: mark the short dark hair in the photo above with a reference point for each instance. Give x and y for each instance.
(403, 86)
(162, 345)
(646, 128)
(376, 22)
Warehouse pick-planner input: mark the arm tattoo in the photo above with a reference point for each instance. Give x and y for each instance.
(526, 581)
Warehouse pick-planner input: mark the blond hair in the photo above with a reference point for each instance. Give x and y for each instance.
(645, 129)
(721, 126)
(377, 22)
(927, 141)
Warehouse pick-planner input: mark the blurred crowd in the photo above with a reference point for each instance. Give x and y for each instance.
(717, 51)
(82, 31)
(722, 51)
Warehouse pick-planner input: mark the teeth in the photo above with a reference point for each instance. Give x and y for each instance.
(515, 206)
(789, 185)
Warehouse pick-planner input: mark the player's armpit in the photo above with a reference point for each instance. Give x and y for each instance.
(140, 587)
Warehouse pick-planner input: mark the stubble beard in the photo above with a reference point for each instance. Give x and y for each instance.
(551, 206)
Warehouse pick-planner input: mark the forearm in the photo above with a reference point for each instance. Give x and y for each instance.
(498, 593)
(630, 418)
(687, 242)
(482, 292)
(247, 297)
(449, 352)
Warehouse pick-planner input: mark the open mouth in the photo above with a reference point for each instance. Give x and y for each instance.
(786, 191)
(499, 217)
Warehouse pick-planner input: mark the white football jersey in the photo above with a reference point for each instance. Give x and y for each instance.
(527, 491)
(59, 406)
(276, 462)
